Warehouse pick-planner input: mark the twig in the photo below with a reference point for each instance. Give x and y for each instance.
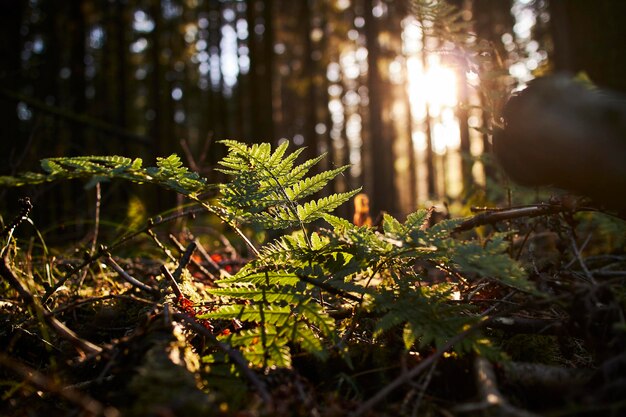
(422, 390)
(233, 354)
(39, 380)
(156, 240)
(208, 258)
(63, 332)
(499, 215)
(91, 300)
(127, 277)
(195, 263)
(173, 284)
(103, 251)
(579, 257)
(96, 228)
(184, 260)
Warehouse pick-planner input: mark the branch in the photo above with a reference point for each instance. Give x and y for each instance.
(497, 215)
(127, 277)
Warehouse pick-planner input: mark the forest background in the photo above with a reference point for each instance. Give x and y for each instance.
(289, 309)
(371, 82)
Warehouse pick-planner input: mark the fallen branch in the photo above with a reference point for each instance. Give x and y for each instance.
(127, 277)
(498, 215)
(488, 388)
(546, 377)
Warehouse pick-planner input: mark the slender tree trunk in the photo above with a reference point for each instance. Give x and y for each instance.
(381, 146)
(310, 70)
(465, 149)
(77, 36)
(10, 48)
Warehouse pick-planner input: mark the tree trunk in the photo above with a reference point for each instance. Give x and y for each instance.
(380, 144)
(589, 36)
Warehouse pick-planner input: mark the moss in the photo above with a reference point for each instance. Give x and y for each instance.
(533, 348)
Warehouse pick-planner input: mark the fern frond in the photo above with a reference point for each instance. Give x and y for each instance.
(314, 210)
(272, 314)
(274, 295)
(313, 184)
(169, 172)
(262, 278)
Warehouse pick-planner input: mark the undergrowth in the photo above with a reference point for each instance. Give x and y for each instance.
(321, 296)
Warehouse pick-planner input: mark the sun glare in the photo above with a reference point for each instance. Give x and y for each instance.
(433, 93)
(437, 86)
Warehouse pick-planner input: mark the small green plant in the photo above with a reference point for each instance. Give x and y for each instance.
(288, 294)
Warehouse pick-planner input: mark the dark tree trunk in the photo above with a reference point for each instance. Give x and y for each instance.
(589, 36)
(261, 58)
(76, 28)
(380, 144)
(10, 48)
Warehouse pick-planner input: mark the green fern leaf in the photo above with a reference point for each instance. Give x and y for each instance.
(262, 278)
(271, 314)
(312, 184)
(309, 341)
(314, 210)
(272, 296)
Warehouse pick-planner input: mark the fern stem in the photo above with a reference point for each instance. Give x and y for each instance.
(291, 204)
(232, 225)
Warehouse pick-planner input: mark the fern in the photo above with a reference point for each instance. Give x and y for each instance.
(169, 173)
(282, 295)
(267, 190)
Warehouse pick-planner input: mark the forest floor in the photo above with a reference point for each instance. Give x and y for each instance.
(113, 340)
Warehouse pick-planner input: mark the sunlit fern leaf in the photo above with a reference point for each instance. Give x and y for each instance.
(169, 172)
(171, 163)
(338, 222)
(262, 278)
(51, 167)
(309, 340)
(266, 190)
(315, 314)
(289, 177)
(316, 209)
(277, 157)
(268, 314)
(274, 295)
(393, 227)
(312, 184)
